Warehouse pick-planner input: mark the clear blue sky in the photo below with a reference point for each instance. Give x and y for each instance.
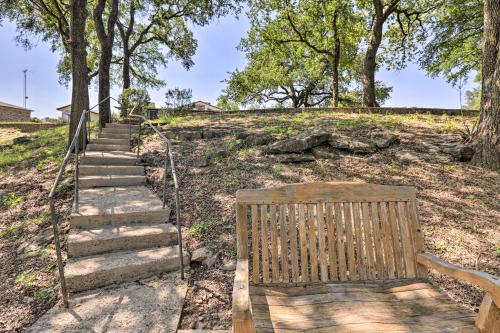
(216, 55)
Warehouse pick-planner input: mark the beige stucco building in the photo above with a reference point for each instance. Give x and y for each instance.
(12, 113)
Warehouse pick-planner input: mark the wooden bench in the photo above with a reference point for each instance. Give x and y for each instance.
(344, 257)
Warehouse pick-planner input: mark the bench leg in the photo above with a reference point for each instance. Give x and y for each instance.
(488, 319)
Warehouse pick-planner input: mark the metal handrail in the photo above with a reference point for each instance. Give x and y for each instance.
(168, 151)
(85, 117)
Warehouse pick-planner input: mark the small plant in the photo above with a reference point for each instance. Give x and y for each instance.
(11, 231)
(395, 166)
(11, 199)
(450, 168)
(440, 246)
(475, 230)
(230, 181)
(497, 250)
(230, 144)
(44, 294)
(276, 170)
(25, 279)
(44, 218)
(203, 229)
(63, 188)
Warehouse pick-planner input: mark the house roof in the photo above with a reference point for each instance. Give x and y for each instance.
(207, 103)
(61, 108)
(13, 107)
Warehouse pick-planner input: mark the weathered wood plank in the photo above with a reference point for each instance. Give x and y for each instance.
(387, 241)
(359, 239)
(313, 235)
(331, 242)
(255, 244)
(323, 261)
(284, 244)
(341, 250)
(353, 274)
(417, 235)
(407, 241)
(377, 242)
(275, 270)
(371, 271)
(241, 231)
(304, 266)
(292, 231)
(326, 191)
(396, 241)
(265, 243)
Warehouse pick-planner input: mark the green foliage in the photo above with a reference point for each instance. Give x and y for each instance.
(226, 104)
(26, 279)
(178, 99)
(44, 294)
(11, 199)
(440, 246)
(170, 119)
(453, 48)
(203, 229)
(230, 181)
(276, 170)
(9, 232)
(136, 100)
(497, 250)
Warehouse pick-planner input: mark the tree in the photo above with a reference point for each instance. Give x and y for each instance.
(62, 24)
(224, 103)
(177, 98)
(453, 48)
(134, 99)
(106, 37)
(488, 135)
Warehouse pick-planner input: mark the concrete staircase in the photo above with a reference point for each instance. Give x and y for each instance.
(120, 232)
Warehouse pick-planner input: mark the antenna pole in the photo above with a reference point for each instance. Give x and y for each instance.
(24, 89)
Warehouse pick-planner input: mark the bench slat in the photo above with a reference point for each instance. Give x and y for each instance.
(265, 244)
(304, 268)
(340, 242)
(284, 243)
(331, 242)
(292, 231)
(312, 233)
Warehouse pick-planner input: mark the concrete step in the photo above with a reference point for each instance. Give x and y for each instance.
(109, 158)
(85, 273)
(129, 237)
(126, 126)
(111, 180)
(108, 170)
(107, 147)
(121, 142)
(118, 130)
(106, 135)
(118, 206)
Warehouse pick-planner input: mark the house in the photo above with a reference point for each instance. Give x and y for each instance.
(199, 106)
(12, 113)
(66, 110)
(205, 106)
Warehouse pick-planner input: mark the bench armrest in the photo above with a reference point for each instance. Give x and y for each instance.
(490, 283)
(242, 311)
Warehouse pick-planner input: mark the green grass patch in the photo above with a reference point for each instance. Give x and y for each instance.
(25, 279)
(11, 199)
(440, 246)
(202, 230)
(170, 120)
(49, 147)
(44, 294)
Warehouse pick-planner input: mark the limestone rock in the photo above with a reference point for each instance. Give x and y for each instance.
(229, 266)
(325, 152)
(201, 254)
(257, 139)
(217, 152)
(299, 143)
(340, 142)
(294, 158)
(45, 236)
(383, 139)
(459, 152)
(404, 156)
(356, 146)
(201, 162)
(210, 261)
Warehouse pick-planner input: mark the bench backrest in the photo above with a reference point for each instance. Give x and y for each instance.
(324, 232)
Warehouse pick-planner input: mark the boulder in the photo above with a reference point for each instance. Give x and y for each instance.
(459, 152)
(45, 236)
(325, 153)
(257, 139)
(210, 261)
(217, 152)
(229, 266)
(383, 139)
(299, 143)
(353, 145)
(405, 157)
(201, 254)
(294, 158)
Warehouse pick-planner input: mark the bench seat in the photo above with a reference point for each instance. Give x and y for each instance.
(377, 306)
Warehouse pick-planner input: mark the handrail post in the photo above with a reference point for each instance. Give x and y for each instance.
(179, 231)
(76, 174)
(57, 242)
(139, 139)
(165, 177)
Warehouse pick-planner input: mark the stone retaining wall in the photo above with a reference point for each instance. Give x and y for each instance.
(17, 115)
(378, 110)
(29, 127)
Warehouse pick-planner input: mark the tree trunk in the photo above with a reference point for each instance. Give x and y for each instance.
(126, 68)
(79, 70)
(370, 65)
(106, 39)
(488, 135)
(336, 61)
